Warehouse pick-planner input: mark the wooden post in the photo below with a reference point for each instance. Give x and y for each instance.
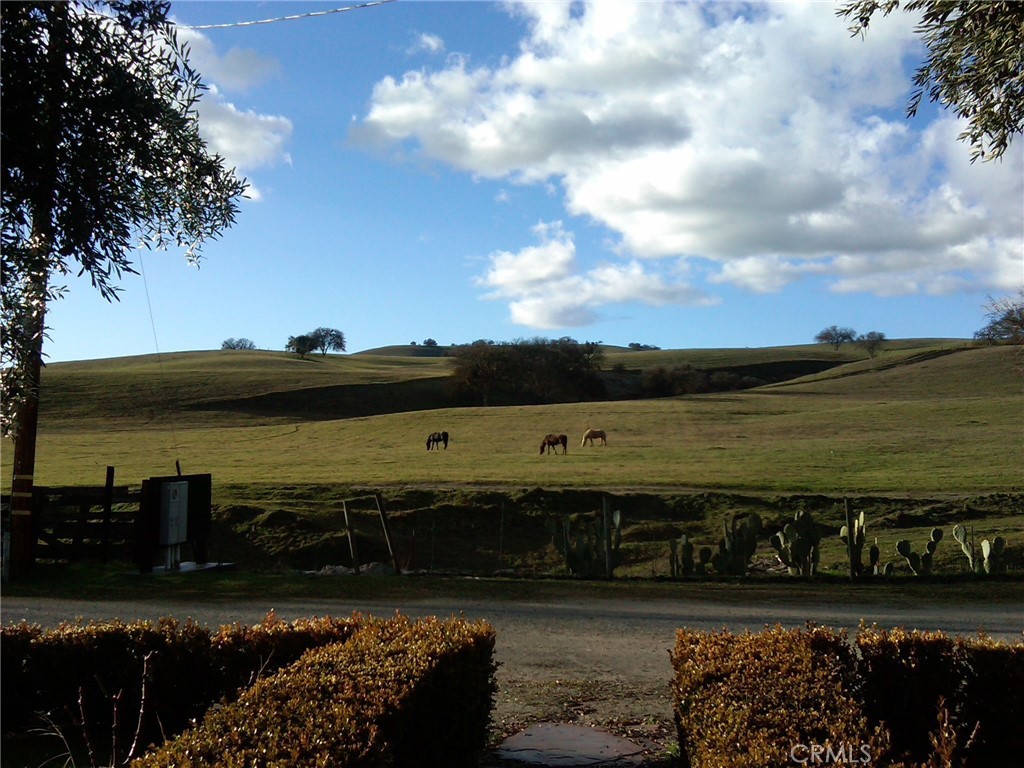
(351, 539)
(501, 538)
(606, 515)
(78, 540)
(849, 537)
(108, 502)
(387, 534)
(23, 538)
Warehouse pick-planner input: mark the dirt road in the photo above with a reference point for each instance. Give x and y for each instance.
(590, 662)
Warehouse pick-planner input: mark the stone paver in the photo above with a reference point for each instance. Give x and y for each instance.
(567, 746)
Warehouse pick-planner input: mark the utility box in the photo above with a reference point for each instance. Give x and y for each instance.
(173, 522)
(173, 513)
(174, 510)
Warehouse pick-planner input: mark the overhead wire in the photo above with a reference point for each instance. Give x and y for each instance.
(176, 447)
(293, 17)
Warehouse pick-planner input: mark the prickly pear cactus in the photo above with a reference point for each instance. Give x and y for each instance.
(992, 554)
(965, 538)
(703, 561)
(681, 558)
(797, 544)
(738, 545)
(582, 543)
(920, 563)
(854, 541)
(874, 554)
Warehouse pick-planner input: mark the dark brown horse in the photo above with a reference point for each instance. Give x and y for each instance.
(436, 439)
(553, 441)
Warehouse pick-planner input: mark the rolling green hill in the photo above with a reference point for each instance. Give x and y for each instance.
(926, 433)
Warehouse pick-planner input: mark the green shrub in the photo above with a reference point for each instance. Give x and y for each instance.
(83, 677)
(16, 681)
(753, 700)
(243, 652)
(75, 673)
(398, 693)
(907, 673)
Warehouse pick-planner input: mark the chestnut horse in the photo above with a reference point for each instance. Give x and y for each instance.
(553, 441)
(592, 435)
(436, 439)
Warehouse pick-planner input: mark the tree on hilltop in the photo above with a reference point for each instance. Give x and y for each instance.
(242, 343)
(835, 336)
(301, 345)
(1005, 320)
(328, 340)
(872, 342)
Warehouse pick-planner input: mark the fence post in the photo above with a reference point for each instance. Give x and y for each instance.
(501, 538)
(849, 538)
(606, 515)
(387, 534)
(351, 539)
(108, 502)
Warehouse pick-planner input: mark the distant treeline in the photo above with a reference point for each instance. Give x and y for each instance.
(528, 370)
(687, 380)
(538, 370)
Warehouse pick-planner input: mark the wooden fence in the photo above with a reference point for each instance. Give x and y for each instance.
(76, 523)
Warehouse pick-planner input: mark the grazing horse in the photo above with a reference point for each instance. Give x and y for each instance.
(553, 441)
(592, 435)
(436, 439)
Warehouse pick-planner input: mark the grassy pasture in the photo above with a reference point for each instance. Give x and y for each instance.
(950, 424)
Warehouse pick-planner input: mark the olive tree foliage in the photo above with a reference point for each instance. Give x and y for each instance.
(101, 154)
(974, 63)
(835, 336)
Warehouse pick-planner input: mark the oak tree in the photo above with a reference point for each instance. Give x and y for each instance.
(835, 336)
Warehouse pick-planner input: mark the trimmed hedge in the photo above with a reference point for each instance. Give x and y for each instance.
(768, 699)
(752, 700)
(979, 681)
(397, 693)
(76, 668)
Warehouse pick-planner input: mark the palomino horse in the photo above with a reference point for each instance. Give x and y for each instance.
(592, 435)
(553, 441)
(436, 439)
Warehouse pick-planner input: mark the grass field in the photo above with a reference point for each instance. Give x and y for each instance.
(929, 420)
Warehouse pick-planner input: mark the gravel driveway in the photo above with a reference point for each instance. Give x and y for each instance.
(590, 662)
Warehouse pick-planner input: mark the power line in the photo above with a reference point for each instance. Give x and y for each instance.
(284, 18)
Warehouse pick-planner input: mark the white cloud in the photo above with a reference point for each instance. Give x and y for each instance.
(237, 70)
(247, 139)
(427, 43)
(547, 288)
(761, 139)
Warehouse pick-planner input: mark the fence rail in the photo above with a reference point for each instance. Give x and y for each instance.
(87, 523)
(75, 523)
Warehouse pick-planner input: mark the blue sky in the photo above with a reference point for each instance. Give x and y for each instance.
(684, 175)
